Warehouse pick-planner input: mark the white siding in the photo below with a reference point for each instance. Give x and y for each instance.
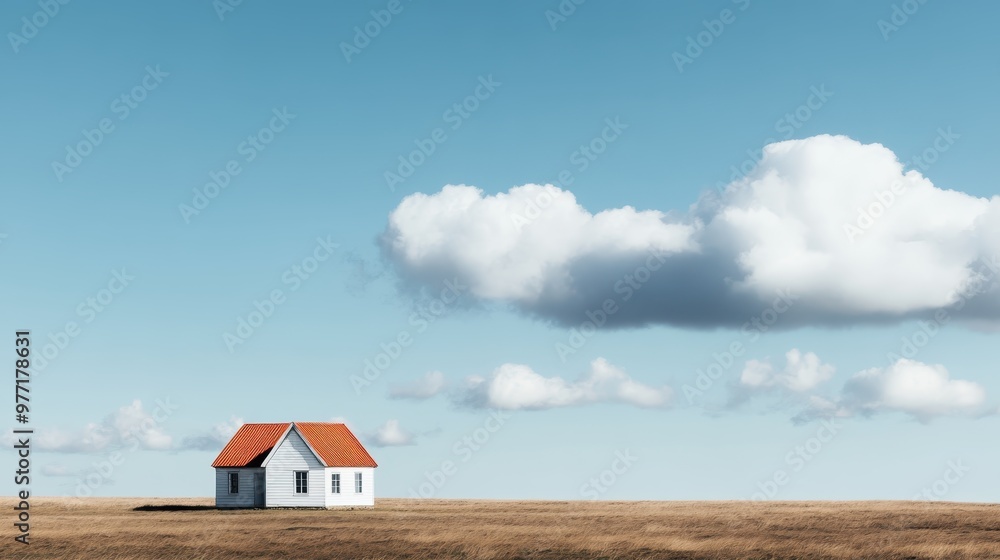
(294, 455)
(223, 498)
(347, 496)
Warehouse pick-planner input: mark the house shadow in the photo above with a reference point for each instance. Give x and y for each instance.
(173, 507)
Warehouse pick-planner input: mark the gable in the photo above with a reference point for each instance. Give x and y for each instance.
(293, 453)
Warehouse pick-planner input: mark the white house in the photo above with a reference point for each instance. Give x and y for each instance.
(294, 464)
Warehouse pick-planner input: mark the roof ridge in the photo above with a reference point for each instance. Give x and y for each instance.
(333, 444)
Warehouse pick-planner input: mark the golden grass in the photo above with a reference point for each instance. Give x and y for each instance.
(109, 528)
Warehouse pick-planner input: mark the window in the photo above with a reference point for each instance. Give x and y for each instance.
(234, 483)
(335, 483)
(357, 482)
(301, 482)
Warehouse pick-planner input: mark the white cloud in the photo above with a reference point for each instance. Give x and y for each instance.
(913, 387)
(131, 426)
(783, 227)
(426, 387)
(514, 386)
(802, 372)
(391, 434)
(216, 438)
(921, 390)
(480, 238)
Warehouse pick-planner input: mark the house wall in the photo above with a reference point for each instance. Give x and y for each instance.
(294, 455)
(223, 498)
(347, 496)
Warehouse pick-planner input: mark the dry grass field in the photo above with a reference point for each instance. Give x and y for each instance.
(111, 529)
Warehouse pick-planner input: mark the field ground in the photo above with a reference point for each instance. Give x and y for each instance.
(110, 529)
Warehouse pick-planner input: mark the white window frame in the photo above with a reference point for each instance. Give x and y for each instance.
(229, 481)
(358, 486)
(335, 483)
(305, 482)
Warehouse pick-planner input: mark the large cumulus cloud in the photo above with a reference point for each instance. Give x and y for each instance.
(798, 224)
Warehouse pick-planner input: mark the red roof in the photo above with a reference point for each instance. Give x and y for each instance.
(334, 443)
(250, 445)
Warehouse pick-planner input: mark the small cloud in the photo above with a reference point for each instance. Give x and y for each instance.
(923, 391)
(801, 374)
(131, 426)
(915, 388)
(515, 386)
(426, 387)
(216, 438)
(391, 434)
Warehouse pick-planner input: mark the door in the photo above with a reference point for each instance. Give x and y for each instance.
(258, 489)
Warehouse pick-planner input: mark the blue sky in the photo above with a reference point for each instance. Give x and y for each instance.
(532, 89)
